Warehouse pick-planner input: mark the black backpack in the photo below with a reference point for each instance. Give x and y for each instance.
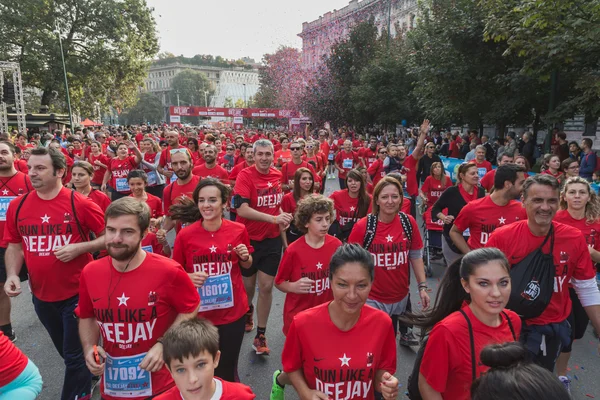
(413, 379)
(372, 229)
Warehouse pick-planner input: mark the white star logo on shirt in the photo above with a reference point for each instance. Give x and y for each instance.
(389, 238)
(352, 208)
(213, 249)
(45, 219)
(123, 300)
(269, 184)
(502, 220)
(345, 360)
(4, 192)
(319, 266)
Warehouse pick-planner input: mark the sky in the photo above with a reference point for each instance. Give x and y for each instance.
(234, 28)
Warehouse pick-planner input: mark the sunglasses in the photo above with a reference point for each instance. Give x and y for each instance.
(383, 152)
(295, 148)
(175, 151)
(230, 148)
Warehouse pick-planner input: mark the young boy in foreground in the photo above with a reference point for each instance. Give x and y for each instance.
(191, 353)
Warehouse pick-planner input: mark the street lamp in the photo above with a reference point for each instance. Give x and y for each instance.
(245, 104)
(205, 98)
(62, 55)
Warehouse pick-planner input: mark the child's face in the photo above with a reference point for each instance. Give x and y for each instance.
(194, 376)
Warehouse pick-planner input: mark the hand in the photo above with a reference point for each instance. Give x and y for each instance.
(12, 286)
(424, 127)
(96, 162)
(242, 251)
(327, 126)
(424, 198)
(389, 386)
(95, 368)
(302, 285)
(316, 395)
(448, 219)
(103, 187)
(161, 235)
(284, 219)
(198, 278)
(68, 252)
(425, 301)
(168, 174)
(154, 359)
(130, 144)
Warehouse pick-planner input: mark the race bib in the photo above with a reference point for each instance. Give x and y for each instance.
(330, 156)
(122, 185)
(467, 233)
(4, 202)
(147, 249)
(152, 178)
(347, 164)
(481, 172)
(216, 293)
(124, 378)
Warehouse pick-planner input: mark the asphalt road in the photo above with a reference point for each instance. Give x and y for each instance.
(256, 371)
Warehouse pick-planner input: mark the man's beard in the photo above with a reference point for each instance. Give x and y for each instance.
(123, 253)
(183, 174)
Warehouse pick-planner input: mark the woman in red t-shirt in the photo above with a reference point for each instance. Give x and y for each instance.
(192, 145)
(138, 182)
(19, 376)
(377, 171)
(329, 350)
(432, 189)
(475, 289)
(213, 250)
(99, 162)
(350, 204)
(151, 152)
(304, 182)
(551, 165)
(118, 169)
(579, 209)
(304, 269)
(81, 175)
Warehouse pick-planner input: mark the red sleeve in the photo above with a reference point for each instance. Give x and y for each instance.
(90, 214)
(242, 187)
(185, 297)
(11, 233)
(463, 221)
(486, 182)
(388, 349)
(178, 254)
(358, 232)
(286, 203)
(435, 365)
(284, 174)
(291, 357)
(584, 268)
(285, 267)
(495, 240)
(425, 186)
(163, 158)
(417, 241)
(404, 207)
(85, 308)
(338, 159)
(167, 199)
(157, 247)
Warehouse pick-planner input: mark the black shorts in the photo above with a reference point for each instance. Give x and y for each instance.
(23, 275)
(578, 320)
(266, 257)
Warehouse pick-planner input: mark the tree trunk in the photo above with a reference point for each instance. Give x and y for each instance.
(47, 96)
(500, 128)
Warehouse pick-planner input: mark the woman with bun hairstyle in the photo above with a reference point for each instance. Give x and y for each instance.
(510, 377)
(471, 298)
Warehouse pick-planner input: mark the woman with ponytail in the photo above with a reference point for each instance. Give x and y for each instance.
(471, 298)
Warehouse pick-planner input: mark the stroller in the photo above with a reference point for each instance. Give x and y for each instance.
(432, 232)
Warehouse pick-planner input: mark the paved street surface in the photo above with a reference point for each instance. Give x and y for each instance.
(257, 371)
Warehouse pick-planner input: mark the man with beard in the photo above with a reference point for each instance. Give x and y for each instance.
(481, 217)
(258, 196)
(165, 166)
(181, 162)
(368, 155)
(48, 228)
(131, 298)
(210, 169)
(12, 184)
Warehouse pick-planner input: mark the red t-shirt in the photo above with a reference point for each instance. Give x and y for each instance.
(12, 361)
(317, 159)
(281, 157)
(571, 259)
(482, 216)
(134, 309)
(487, 182)
(482, 168)
(98, 197)
(98, 170)
(150, 244)
(347, 162)
(288, 170)
(229, 391)
(301, 260)
(346, 207)
(341, 364)
(376, 171)
(265, 195)
(21, 166)
(42, 227)
(591, 231)
(174, 192)
(212, 252)
(216, 172)
(235, 171)
(155, 204)
(119, 170)
(390, 250)
(11, 188)
(288, 204)
(433, 189)
(370, 156)
(409, 168)
(447, 361)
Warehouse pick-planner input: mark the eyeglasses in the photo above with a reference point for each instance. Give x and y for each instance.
(383, 152)
(309, 147)
(574, 167)
(295, 148)
(230, 149)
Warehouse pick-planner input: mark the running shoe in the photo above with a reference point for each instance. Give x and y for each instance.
(249, 321)
(260, 345)
(277, 391)
(408, 340)
(567, 382)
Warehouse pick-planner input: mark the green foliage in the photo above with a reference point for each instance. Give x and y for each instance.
(191, 86)
(206, 60)
(107, 47)
(148, 108)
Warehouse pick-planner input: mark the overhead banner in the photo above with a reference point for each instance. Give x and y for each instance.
(193, 111)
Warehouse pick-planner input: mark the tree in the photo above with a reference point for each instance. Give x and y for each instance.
(107, 48)
(239, 103)
(228, 103)
(148, 108)
(190, 85)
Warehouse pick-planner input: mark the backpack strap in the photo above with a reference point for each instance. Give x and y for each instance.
(371, 230)
(26, 184)
(510, 325)
(19, 208)
(83, 236)
(406, 225)
(472, 340)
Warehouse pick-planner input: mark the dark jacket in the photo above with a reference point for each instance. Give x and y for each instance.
(424, 167)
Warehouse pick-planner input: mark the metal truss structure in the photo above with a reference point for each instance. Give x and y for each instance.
(8, 68)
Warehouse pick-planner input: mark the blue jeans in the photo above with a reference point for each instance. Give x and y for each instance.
(59, 319)
(26, 386)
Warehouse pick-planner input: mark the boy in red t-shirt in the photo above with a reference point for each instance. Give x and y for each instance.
(187, 345)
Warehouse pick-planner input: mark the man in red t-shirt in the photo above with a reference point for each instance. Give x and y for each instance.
(210, 169)
(257, 199)
(345, 161)
(487, 182)
(164, 163)
(288, 170)
(482, 216)
(368, 155)
(545, 335)
(12, 185)
(49, 228)
(134, 311)
(410, 164)
(183, 186)
(483, 165)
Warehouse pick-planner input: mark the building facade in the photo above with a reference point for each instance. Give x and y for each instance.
(320, 35)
